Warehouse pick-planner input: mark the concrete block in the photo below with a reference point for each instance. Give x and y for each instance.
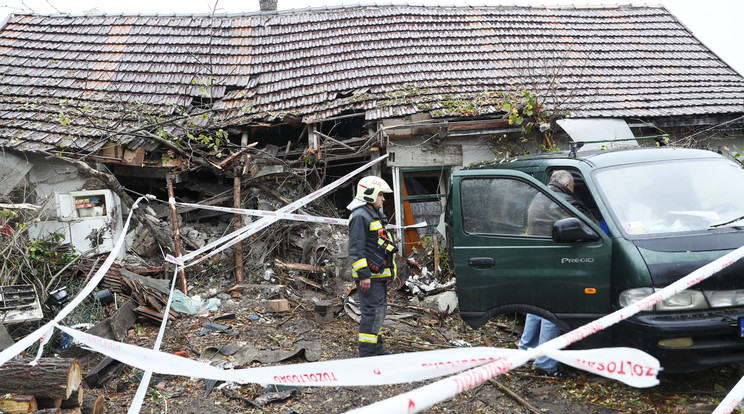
(277, 305)
(323, 311)
(443, 302)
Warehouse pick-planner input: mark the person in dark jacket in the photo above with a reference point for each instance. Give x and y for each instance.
(543, 211)
(371, 252)
(541, 215)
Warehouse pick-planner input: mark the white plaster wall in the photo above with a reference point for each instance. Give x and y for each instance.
(52, 175)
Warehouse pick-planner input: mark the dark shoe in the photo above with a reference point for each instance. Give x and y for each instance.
(367, 350)
(554, 374)
(383, 351)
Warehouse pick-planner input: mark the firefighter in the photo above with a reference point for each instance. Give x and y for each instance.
(371, 252)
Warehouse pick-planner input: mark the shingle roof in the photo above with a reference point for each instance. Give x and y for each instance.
(624, 61)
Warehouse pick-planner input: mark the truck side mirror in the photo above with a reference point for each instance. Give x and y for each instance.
(569, 230)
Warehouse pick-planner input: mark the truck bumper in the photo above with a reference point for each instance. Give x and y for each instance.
(685, 341)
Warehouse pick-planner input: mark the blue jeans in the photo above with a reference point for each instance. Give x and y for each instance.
(537, 331)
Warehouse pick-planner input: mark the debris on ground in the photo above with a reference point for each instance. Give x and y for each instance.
(298, 304)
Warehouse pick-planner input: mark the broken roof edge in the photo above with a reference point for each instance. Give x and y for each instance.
(338, 7)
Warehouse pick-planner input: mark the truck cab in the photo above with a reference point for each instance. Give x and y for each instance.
(653, 215)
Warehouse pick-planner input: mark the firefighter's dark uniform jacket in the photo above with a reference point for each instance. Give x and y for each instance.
(369, 243)
(371, 251)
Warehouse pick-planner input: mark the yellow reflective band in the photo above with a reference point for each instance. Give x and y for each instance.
(368, 338)
(359, 264)
(386, 273)
(375, 225)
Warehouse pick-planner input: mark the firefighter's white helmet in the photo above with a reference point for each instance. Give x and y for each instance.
(369, 187)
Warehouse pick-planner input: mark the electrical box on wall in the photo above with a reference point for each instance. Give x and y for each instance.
(89, 220)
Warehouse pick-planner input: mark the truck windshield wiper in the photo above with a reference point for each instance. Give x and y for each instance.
(728, 222)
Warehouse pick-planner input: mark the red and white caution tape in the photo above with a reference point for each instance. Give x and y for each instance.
(628, 365)
(245, 232)
(424, 397)
(139, 396)
(731, 402)
(383, 370)
(284, 216)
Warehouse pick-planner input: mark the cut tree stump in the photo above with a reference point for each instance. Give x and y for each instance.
(14, 403)
(50, 378)
(92, 404)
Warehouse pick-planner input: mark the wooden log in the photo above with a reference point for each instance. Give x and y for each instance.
(254, 286)
(300, 267)
(92, 404)
(309, 282)
(50, 378)
(16, 403)
(75, 400)
(75, 410)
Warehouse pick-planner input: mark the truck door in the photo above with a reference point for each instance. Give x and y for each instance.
(498, 262)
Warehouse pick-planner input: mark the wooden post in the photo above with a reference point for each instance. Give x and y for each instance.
(238, 218)
(176, 236)
(238, 224)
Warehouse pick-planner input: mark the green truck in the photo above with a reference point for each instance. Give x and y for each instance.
(657, 215)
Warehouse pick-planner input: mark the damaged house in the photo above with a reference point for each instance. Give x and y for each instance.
(255, 110)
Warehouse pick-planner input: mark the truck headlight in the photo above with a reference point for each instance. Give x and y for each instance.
(632, 296)
(685, 300)
(724, 298)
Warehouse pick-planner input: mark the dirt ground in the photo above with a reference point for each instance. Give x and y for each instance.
(520, 391)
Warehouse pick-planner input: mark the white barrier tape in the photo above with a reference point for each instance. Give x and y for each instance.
(45, 338)
(139, 396)
(382, 370)
(287, 216)
(731, 402)
(266, 213)
(425, 397)
(45, 332)
(24, 343)
(628, 365)
(245, 232)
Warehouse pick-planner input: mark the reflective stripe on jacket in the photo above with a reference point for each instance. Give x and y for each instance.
(364, 227)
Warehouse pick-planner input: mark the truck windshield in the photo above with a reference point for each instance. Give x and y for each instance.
(674, 196)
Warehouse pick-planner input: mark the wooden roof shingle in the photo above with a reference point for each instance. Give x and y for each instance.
(621, 61)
